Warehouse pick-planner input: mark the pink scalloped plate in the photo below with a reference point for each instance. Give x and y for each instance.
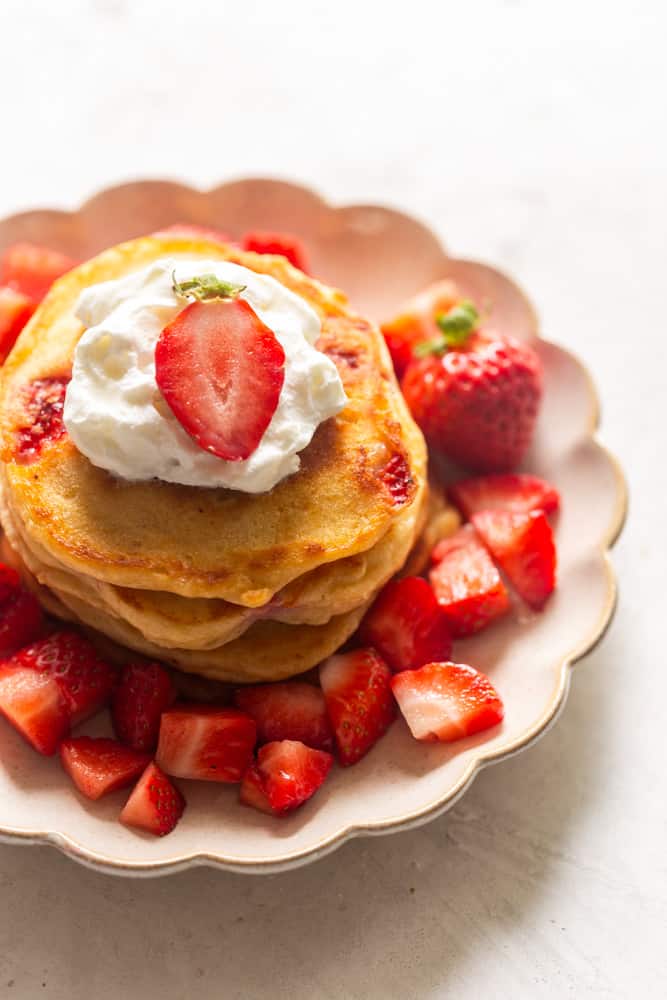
(379, 257)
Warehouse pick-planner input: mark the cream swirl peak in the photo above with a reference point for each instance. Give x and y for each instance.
(117, 417)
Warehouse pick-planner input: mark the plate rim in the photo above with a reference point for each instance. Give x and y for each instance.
(102, 862)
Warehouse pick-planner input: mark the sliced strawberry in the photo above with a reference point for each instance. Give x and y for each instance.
(31, 269)
(44, 400)
(518, 492)
(357, 690)
(416, 322)
(523, 545)
(283, 244)
(155, 805)
(252, 791)
(206, 742)
(289, 710)
(21, 619)
(289, 773)
(143, 693)
(407, 625)
(446, 701)
(99, 766)
(86, 681)
(15, 311)
(190, 230)
(221, 370)
(10, 582)
(466, 583)
(34, 705)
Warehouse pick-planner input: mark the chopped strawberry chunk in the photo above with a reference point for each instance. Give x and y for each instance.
(446, 701)
(466, 583)
(34, 705)
(44, 401)
(397, 477)
(15, 311)
(99, 766)
(523, 545)
(407, 625)
(286, 774)
(415, 322)
(221, 370)
(252, 791)
(357, 690)
(288, 710)
(190, 230)
(21, 620)
(517, 492)
(85, 680)
(206, 742)
(283, 244)
(31, 269)
(143, 693)
(155, 805)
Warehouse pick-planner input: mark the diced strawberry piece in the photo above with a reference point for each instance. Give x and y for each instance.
(289, 773)
(86, 681)
(407, 625)
(252, 791)
(466, 583)
(523, 545)
(143, 693)
(206, 742)
(31, 269)
(190, 230)
(44, 401)
(283, 244)
(221, 371)
(518, 492)
(34, 705)
(21, 620)
(99, 766)
(288, 710)
(446, 701)
(155, 805)
(15, 311)
(357, 690)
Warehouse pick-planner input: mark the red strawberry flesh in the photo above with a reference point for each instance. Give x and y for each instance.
(85, 679)
(15, 311)
(252, 791)
(21, 620)
(221, 371)
(34, 705)
(467, 585)
(518, 492)
(32, 269)
(44, 400)
(143, 693)
(155, 805)
(283, 244)
(206, 742)
(357, 690)
(99, 766)
(288, 710)
(407, 626)
(523, 546)
(446, 701)
(290, 773)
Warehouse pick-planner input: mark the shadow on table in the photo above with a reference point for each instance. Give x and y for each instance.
(397, 916)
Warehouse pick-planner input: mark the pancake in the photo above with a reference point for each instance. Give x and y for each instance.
(358, 473)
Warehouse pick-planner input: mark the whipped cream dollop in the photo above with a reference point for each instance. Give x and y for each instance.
(116, 415)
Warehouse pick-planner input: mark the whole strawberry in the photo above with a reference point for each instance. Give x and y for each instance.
(475, 393)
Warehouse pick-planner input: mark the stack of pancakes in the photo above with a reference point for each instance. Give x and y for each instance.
(229, 585)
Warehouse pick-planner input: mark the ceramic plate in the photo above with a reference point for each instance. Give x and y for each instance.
(379, 257)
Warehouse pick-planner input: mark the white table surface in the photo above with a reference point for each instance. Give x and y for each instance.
(531, 135)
